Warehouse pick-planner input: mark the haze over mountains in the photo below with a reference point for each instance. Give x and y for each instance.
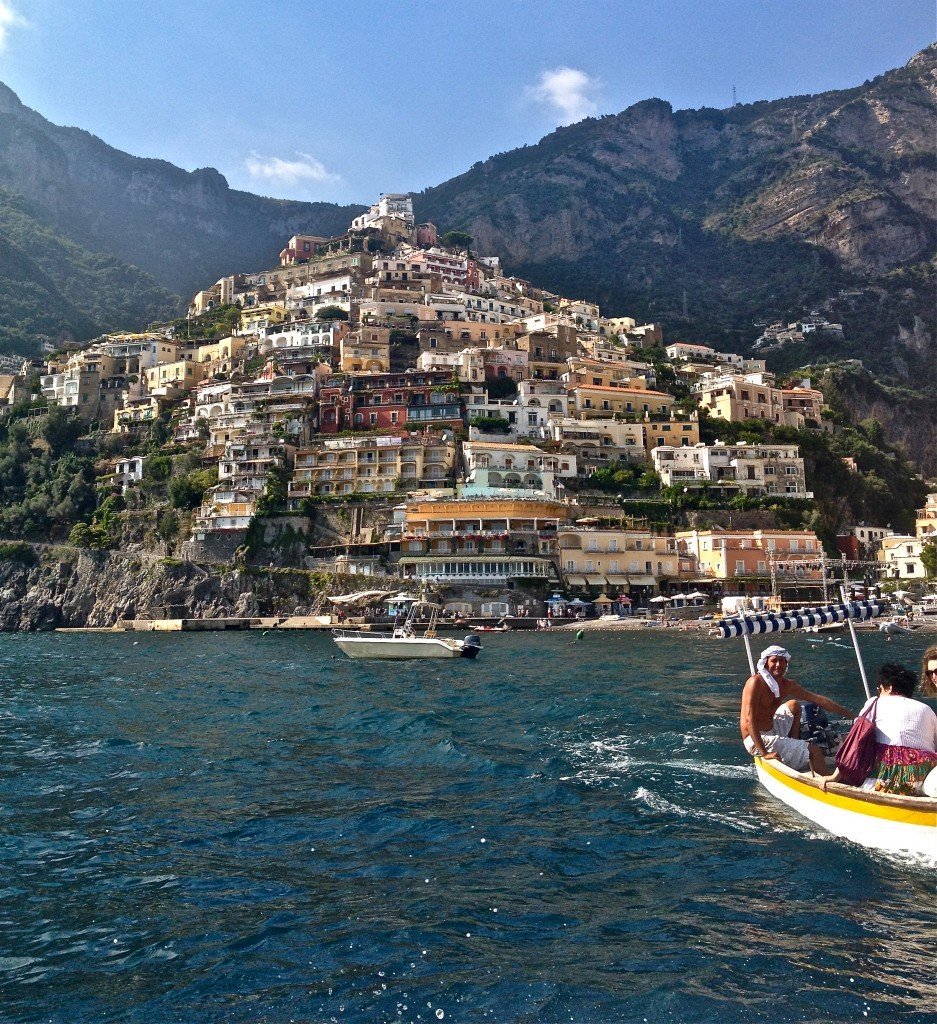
(727, 215)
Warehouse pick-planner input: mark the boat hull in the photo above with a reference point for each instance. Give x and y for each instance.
(402, 648)
(873, 820)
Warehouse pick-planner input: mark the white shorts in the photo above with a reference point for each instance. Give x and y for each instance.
(795, 753)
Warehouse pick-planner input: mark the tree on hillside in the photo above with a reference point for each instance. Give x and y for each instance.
(929, 558)
(456, 240)
(331, 313)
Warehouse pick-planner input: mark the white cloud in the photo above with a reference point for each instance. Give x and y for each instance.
(568, 91)
(8, 19)
(288, 172)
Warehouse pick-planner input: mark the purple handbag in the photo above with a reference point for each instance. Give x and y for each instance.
(855, 757)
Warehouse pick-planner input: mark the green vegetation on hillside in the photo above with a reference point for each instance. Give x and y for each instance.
(46, 484)
(52, 289)
(883, 489)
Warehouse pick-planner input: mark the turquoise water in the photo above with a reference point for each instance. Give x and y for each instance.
(245, 828)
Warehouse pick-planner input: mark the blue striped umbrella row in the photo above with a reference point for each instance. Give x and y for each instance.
(803, 619)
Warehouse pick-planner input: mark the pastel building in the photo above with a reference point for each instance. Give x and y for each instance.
(350, 465)
(925, 523)
(616, 559)
(587, 401)
(901, 558)
(494, 468)
(748, 559)
(735, 397)
(485, 542)
(366, 349)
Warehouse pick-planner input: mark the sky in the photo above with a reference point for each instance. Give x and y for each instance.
(306, 99)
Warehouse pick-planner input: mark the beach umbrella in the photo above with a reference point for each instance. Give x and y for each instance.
(660, 599)
(579, 603)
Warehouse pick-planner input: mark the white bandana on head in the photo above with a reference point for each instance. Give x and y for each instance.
(774, 651)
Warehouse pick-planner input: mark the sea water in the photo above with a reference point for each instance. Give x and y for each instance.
(251, 827)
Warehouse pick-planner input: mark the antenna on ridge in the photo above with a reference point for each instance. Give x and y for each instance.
(734, 100)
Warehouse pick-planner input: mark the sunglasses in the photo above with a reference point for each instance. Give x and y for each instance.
(931, 671)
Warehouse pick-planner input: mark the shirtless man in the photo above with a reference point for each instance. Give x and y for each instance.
(770, 718)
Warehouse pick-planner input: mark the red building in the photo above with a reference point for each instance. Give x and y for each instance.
(391, 402)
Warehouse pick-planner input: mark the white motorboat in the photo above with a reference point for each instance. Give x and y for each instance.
(404, 641)
(882, 821)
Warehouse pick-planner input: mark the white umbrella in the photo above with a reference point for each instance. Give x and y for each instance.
(696, 595)
(659, 600)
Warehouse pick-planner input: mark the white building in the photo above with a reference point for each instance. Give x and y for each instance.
(503, 469)
(754, 469)
(902, 557)
(391, 204)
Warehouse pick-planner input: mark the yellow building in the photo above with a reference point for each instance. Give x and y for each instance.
(181, 376)
(679, 432)
(481, 541)
(925, 525)
(366, 350)
(267, 314)
(615, 558)
(221, 353)
(366, 465)
(735, 397)
(587, 401)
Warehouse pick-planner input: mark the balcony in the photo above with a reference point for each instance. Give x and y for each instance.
(467, 534)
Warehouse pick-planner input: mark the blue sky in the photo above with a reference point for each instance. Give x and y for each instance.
(308, 99)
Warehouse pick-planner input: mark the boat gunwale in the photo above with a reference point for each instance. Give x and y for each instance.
(919, 805)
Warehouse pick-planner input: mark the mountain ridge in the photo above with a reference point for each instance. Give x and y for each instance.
(723, 215)
(651, 204)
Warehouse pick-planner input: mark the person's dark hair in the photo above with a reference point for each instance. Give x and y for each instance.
(902, 680)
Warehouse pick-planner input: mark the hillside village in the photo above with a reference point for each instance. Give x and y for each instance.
(388, 403)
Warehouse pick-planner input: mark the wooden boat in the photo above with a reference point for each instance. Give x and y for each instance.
(882, 821)
(404, 642)
(878, 820)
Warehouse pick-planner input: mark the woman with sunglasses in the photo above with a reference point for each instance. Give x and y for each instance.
(905, 735)
(929, 672)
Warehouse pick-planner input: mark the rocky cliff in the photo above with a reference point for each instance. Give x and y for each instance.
(70, 588)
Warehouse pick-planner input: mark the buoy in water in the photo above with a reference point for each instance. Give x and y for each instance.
(580, 633)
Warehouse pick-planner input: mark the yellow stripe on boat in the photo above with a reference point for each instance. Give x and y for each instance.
(869, 808)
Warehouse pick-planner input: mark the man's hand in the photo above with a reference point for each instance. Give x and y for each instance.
(767, 756)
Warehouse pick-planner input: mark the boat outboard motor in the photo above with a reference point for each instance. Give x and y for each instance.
(815, 727)
(472, 644)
